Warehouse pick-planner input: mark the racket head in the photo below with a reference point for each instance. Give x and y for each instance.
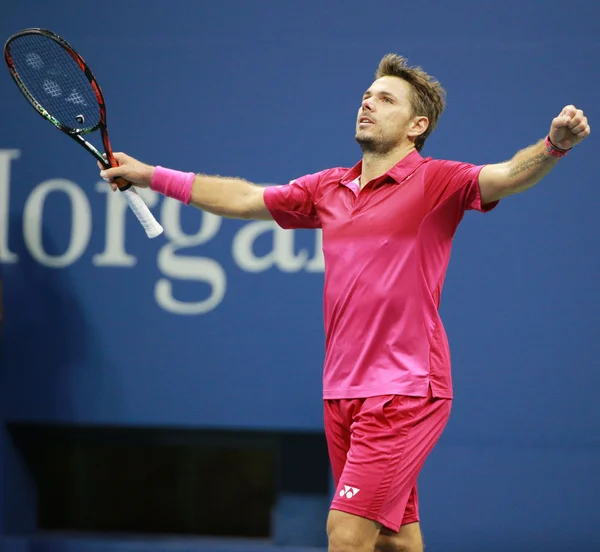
(58, 83)
(61, 87)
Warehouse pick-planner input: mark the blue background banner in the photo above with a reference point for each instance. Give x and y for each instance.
(218, 323)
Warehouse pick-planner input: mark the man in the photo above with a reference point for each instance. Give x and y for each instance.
(388, 224)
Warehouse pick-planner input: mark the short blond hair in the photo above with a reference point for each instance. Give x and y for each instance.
(428, 95)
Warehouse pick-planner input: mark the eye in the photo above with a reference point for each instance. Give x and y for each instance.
(387, 99)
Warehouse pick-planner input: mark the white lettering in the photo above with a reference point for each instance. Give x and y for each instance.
(6, 156)
(177, 260)
(33, 222)
(197, 269)
(282, 255)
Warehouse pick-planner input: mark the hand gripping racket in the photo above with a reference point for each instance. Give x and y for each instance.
(59, 84)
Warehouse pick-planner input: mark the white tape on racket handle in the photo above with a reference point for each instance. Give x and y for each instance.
(146, 218)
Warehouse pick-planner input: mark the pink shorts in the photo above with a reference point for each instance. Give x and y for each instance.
(377, 447)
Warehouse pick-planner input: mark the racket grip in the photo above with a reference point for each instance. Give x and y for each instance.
(143, 214)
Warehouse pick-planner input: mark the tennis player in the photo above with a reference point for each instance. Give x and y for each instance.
(388, 224)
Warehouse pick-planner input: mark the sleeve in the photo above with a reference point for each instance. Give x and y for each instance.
(457, 182)
(292, 205)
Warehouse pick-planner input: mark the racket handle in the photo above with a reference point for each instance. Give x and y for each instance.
(143, 214)
(136, 203)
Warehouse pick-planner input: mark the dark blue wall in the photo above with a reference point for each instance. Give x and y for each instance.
(217, 324)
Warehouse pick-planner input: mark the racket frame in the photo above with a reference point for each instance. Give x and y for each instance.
(150, 224)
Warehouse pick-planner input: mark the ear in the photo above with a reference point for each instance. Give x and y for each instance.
(418, 126)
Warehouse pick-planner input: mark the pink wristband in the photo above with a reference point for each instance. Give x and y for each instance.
(553, 150)
(175, 184)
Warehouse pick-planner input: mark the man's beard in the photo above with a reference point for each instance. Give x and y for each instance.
(375, 145)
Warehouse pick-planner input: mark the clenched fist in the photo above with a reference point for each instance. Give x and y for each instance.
(569, 128)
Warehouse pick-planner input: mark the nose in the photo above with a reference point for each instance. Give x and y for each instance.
(367, 104)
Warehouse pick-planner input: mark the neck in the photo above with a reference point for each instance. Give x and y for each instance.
(374, 165)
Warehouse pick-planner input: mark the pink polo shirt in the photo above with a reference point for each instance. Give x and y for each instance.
(386, 250)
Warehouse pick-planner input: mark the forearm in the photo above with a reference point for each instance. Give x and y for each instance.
(222, 196)
(523, 171)
(528, 167)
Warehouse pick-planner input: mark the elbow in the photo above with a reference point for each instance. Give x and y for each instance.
(252, 205)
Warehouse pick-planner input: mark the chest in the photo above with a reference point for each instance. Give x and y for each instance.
(389, 209)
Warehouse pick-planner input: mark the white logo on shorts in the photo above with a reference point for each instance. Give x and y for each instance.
(348, 491)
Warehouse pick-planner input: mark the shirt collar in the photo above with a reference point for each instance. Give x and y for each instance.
(397, 173)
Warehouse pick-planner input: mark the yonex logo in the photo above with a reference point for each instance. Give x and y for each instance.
(348, 491)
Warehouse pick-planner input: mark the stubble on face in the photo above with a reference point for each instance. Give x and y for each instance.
(375, 142)
(386, 104)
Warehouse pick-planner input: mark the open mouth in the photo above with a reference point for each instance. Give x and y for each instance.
(365, 121)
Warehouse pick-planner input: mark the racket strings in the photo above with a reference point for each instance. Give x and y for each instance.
(55, 81)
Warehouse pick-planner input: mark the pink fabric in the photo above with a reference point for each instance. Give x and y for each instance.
(375, 470)
(553, 150)
(354, 186)
(175, 184)
(386, 253)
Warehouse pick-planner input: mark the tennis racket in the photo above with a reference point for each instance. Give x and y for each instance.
(61, 87)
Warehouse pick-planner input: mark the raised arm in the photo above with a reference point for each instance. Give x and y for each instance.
(226, 197)
(531, 164)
